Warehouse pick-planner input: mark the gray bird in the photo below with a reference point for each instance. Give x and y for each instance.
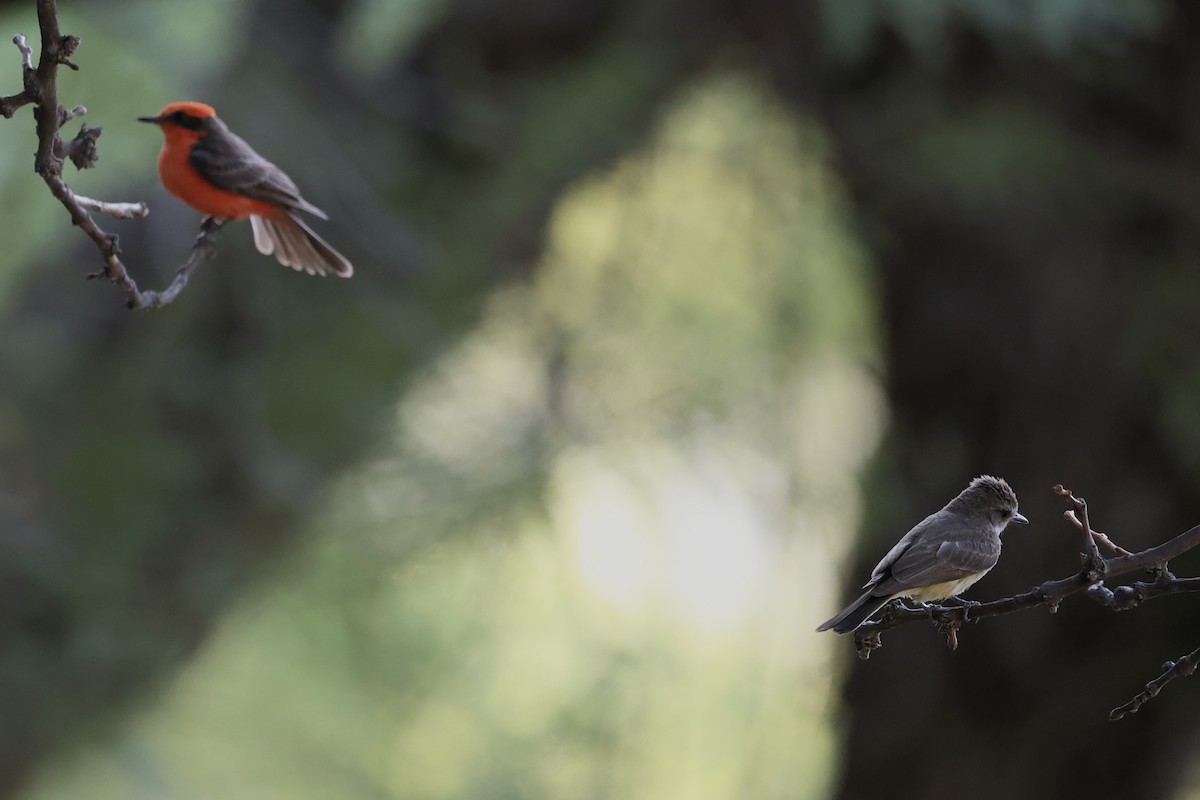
(942, 556)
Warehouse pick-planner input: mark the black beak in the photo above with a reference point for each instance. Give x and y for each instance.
(155, 120)
(1021, 518)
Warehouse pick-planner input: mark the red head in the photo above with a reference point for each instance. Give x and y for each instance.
(185, 120)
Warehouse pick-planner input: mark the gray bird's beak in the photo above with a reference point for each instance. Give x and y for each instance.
(1021, 518)
(149, 119)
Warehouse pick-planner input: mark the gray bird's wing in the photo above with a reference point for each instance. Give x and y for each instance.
(883, 568)
(934, 557)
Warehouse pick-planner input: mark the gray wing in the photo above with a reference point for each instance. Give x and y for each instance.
(227, 162)
(931, 559)
(883, 568)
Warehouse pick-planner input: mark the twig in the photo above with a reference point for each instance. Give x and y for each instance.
(202, 250)
(1103, 539)
(1093, 562)
(26, 52)
(1124, 598)
(1183, 667)
(1100, 538)
(118, 210)
(10, 104)
(40, 89)
(1156, 558)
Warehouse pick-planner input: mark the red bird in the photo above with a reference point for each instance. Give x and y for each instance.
(214, 171)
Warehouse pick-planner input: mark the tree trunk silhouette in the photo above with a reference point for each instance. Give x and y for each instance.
(1033, 220)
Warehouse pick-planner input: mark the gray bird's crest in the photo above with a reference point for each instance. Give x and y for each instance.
(988, 491)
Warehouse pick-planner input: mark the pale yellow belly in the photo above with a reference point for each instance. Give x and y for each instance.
(940, 591)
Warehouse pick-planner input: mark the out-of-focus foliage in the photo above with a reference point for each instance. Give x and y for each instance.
(1053, 27)
(590, 560)
(379, 29)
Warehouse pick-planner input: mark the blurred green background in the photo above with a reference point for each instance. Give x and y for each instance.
(668, 319)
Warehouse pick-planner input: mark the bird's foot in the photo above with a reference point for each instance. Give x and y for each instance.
(926, 607)
(965, 605)
(906, 603)
(209, 225)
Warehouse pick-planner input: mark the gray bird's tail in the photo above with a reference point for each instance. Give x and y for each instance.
(856, 613)
(297, 246)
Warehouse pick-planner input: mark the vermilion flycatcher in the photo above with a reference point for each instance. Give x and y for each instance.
(942, 556)
(214, 171)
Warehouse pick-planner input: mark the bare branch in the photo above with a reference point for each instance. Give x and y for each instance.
(1093, 563)
(1080, 521)
(202, 250)
(1102, 538)
(40, 88)
(1050, 594)
(66, 115)
(138, 300)
(118, 210)
(1124, 598)
(10, 104)
(26, 51)
(44, 91)
(1156, 558)
(1183, 667)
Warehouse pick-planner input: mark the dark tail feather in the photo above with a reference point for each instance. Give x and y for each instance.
(856, 613)
(297, 246)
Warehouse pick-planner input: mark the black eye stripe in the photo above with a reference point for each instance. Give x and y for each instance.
(186, 120)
